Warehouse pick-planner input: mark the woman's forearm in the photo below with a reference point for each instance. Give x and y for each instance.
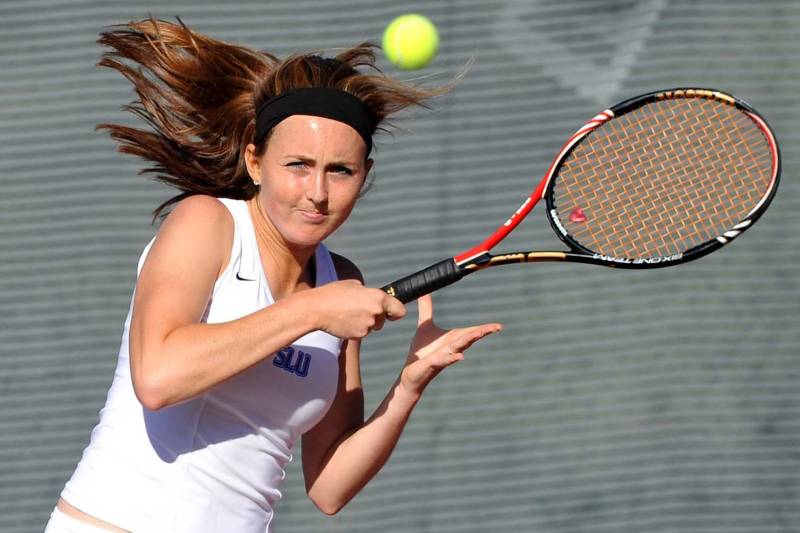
(357, 456)
(193, 358)
(362, 453)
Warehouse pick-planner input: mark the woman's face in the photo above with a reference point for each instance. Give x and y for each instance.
(311, 174)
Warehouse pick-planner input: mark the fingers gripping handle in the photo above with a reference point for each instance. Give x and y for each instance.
(427, 280)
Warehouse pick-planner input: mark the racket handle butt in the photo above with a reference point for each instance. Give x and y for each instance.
(425, 281)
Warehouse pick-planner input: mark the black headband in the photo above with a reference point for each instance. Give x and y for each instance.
(319, 102)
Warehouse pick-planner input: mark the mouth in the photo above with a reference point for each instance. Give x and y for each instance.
(312, 216)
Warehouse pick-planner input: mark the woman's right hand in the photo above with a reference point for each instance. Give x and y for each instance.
(348, 310)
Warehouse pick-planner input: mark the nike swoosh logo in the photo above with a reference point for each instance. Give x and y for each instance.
(243, 279)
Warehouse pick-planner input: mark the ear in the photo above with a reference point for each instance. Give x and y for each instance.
(253, 163)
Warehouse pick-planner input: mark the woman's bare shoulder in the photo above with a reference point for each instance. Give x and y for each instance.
(200, 209)
(199, 226)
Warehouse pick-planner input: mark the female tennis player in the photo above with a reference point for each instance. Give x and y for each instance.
(244, 330)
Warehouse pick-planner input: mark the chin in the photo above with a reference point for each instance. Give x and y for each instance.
(301, 233)
(306, 239)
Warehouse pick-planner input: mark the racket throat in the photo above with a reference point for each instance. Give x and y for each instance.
(515, 258)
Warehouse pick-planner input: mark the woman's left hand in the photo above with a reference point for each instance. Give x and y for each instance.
(434, 348)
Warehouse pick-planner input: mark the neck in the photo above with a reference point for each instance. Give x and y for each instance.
(285, 265)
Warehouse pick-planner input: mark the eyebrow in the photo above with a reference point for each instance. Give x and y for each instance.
(307, 159)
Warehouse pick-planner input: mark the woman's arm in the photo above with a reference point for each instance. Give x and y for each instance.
(342, 452)
(174, 357)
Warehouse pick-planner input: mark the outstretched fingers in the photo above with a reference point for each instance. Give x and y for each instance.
(459, 342)
(466, 337)
(434, 348)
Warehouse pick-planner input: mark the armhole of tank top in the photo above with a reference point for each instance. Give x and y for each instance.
(326, 268)
(143, 256)
(235, 247)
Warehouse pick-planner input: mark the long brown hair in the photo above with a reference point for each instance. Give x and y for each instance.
(198, 95)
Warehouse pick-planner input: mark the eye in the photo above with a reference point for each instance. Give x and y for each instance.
(341, 169)
(296, 164)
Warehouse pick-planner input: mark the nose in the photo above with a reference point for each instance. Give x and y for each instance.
(317, 187)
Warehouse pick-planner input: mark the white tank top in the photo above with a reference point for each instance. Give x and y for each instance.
(212, 464)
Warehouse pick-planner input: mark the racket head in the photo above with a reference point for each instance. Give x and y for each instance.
(663, 178)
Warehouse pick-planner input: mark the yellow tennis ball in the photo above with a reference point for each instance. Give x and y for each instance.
(410, 41)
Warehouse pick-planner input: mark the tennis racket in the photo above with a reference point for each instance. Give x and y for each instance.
(657, 180)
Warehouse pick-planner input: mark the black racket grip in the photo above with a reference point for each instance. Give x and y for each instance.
(425, 281)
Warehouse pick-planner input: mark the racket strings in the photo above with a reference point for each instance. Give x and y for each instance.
(663, 178)
(671, 160)
(680, 154)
